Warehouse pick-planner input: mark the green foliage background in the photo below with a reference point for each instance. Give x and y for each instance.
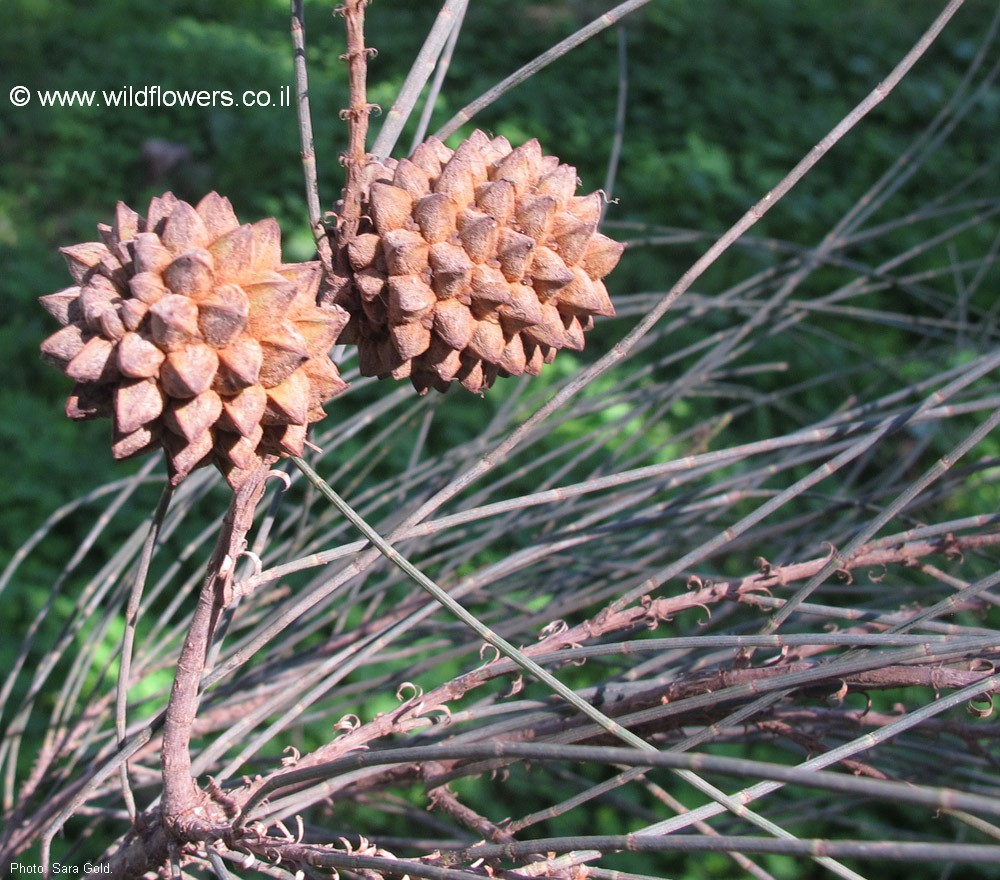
(724, 97)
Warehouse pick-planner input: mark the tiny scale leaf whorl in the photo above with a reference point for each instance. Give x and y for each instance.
(187, 330)
(471, 264)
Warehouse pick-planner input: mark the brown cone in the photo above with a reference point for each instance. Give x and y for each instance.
(189, 332)
(472, 263)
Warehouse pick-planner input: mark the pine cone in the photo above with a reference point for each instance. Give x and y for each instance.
(187, 330)
(473, 264)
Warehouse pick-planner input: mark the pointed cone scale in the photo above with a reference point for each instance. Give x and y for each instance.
(239, 365)
(370, 283)
(473, 153)
(194, 417)
(63, 305)
(266, 245)
(126, 225)
(409, 297)
(233, 254)
(549, 331)
(534, 359)
(586, 208)
(405, 252)
(521, 166)
(498, 148)
(191, 273)
(284, 352)
(147, 288)
(402, 371)
(111, 324)
(390, 207)
(472, 376)
(183, 457)
(132, 312)
(362, 250)
(270, 298)
(601, 256)
(513, 358)
(534, 215)
(95, 362)
(241, 451)
(325, 382)
(456, 181)
(62, 346)
(184, 229)
(149, 254)
(138, 357)
(284, 439)
(514, 253)
(442, 359)
(435, 215)
(497, 198)
(288, 402)
(223, 314)
(454, 324)
(489, 286)
(573, 333)
(523, 310)
(242, 412)
(487, 342)
(583, 297)
(431, 156)
(571, 236)
(159, 210)
(81, 258)
(451, 270)
(108, 238)
(189, 371)
(218, 215)
(410, 340)
(320, 330)
(560, 183)
(174, 322)
(137, 402)
(97, 296)
(307, 278)
(138, 442)
(412, 178)
(548, 272)
(479, 234)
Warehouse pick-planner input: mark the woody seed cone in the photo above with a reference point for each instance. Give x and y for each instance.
(472, 264)
(186, 329)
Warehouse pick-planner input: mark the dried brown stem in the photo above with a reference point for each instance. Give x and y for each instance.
(356, 114)
(181, 797)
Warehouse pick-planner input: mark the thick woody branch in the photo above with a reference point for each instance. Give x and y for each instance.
(181, 797)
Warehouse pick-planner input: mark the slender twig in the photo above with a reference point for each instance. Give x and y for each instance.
(440, 71)
(306, 142)
(444, 25)
(128, 637)
(531, 68)
(619, 137)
